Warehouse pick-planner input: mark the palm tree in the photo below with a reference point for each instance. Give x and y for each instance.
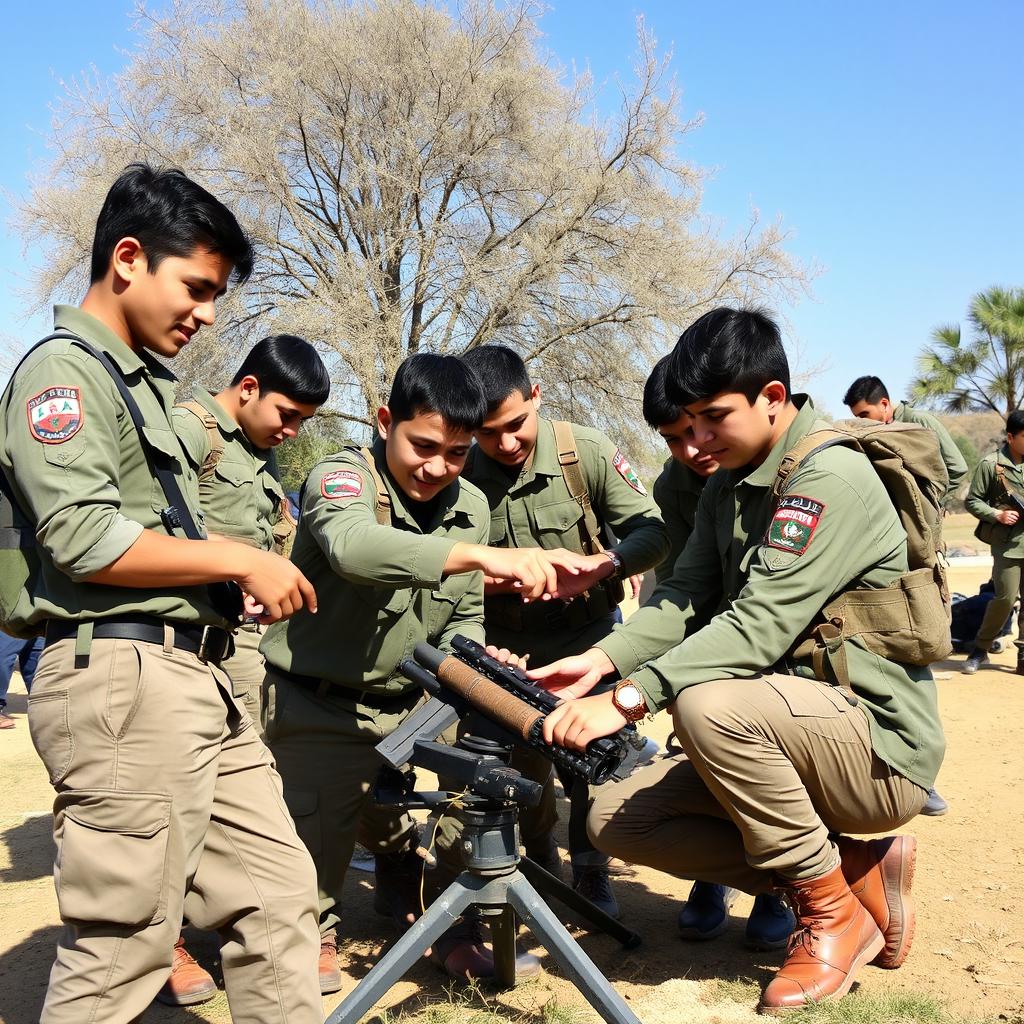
(985, 372)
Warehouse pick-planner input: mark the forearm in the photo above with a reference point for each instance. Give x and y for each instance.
(643, 546)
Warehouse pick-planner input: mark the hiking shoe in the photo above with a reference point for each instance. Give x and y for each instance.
(934, 806)
(705, 914)
(330, 972)
(592, 883)
(974, 661)
(770, 923)
(188, 983)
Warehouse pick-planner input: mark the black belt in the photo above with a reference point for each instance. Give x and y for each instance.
(319, 686)
(210, 644)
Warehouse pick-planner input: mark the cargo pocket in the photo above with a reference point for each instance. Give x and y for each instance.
(111, 862)
(302, 806)
(817, 707)
(51, 732)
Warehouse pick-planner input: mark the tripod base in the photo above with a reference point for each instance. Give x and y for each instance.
(505, 895)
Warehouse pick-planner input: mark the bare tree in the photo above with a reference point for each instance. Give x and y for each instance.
(415, 179)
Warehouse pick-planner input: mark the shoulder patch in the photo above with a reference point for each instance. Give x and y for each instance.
(625, 470)
(341, 483)
(794, 523)
(55, 415)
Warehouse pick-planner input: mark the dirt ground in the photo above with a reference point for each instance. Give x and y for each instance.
(969, 950)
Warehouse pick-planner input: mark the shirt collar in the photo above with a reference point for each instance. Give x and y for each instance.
(765, 474)
(90, 329)
(227, 425)
(543, 460)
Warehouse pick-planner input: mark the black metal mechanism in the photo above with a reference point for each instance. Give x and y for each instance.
(496, 882)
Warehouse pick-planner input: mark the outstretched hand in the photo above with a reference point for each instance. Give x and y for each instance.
(573, 677)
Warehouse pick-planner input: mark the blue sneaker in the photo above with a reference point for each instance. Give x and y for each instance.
(705, 915)
(770, 924)
(934, 805)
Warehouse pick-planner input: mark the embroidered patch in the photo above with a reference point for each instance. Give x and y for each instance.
(55, 415)
(342, 483)
(794, 523)
(625, 470)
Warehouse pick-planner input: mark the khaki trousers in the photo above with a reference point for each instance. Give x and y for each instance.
(773, 765)
(324, 749)
(247, 668)
(167, 804)
(1007, 575)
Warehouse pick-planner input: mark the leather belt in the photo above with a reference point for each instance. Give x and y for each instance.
(324, 686)
(211, 644)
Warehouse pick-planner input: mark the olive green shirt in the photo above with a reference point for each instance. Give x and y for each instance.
(956, 466)
(987, 498)
(89, 487)
(677, 493)
(380, 589)
(242, 498)
(766, 596)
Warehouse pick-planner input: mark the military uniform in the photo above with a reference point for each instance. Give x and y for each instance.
(995, 478)
(677, 493)
(825, 760)
(143, 741)
(956, 466)
(242, 499)
(333, 686)
(537, 509)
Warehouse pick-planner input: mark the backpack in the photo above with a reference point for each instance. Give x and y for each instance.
(908, 621)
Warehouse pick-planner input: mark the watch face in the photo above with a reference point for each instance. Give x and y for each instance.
(629, 696)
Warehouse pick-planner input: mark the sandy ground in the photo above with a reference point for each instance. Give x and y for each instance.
(969, 950)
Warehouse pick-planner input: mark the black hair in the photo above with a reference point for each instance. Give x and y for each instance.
(170, 215)
(865, 389)
(288, 365)
(427, 383)
(726, 350)
(1015, 421)
(659, 409)
(501, 372)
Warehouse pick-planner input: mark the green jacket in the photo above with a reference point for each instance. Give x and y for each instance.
(987, 497)
(380, 589)
(242, 498)
(537, 510)
(78, 467)
(956, 467)
(677, 493)
(767, 575)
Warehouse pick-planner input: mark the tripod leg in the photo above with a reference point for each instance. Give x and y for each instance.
(550, 886)
(503, 935)
(579, 968)
(440, 916)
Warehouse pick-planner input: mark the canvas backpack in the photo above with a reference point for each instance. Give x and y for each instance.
(908, 621)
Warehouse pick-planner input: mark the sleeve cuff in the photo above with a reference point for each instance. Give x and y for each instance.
(620, 652)
(434, 552)
(653, 688)
(117, 539)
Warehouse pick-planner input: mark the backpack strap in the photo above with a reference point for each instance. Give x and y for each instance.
(572, 474)
(213, 436)
(382, 508)
(807, 446)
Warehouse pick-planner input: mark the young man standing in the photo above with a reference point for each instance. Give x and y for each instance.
(230, 439)
(996, 499)
(395, 543)
(556, 485)
(167, 802)
(780, 761)
(677, 491)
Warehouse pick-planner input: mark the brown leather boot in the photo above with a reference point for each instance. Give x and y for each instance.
(188, 984)
(880, 873)
(835, 936)
(330, 973)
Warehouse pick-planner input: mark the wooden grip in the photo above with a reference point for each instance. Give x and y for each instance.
(497, 703)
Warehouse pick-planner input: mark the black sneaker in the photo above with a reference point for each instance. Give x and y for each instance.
(545, 854)
(974, 661)
(593, 884)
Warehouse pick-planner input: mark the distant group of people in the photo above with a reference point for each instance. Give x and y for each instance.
(215, 675)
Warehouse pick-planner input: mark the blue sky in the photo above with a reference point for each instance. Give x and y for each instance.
(887, 136)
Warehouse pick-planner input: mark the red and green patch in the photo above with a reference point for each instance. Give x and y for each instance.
(55, 415)
(793, 525)
(625, 470)
(342, 483)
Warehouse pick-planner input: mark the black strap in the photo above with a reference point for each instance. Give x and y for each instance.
(225, 597)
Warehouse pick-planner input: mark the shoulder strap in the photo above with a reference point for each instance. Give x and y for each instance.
(213, 436)
(807, 446)
(572, 473)
(382, 508)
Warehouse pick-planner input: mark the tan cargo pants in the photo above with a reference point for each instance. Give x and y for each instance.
(323, 745)
(772, 766)
(246, 668)
(167, 804)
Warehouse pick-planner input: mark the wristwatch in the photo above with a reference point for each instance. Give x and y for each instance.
(629, 701)
(616, 559)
